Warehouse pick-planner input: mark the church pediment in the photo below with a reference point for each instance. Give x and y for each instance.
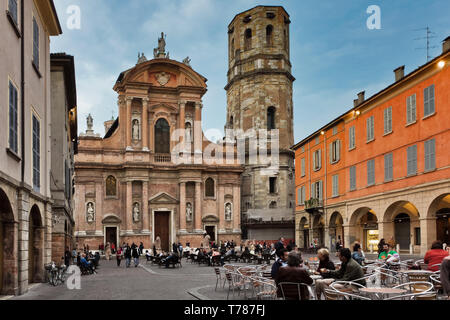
(111, 219)
(163, 198)
(210, 219)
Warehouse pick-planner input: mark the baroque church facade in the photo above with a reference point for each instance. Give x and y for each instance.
(155, 175)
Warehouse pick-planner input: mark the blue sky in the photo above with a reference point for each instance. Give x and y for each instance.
(333, 53)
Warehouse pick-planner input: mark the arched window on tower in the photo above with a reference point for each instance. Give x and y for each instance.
(209, 188)
(248, 39)
(269, 35)
(271, 118)
(162, 136)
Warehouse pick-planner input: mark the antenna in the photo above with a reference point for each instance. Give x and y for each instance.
(430, 35)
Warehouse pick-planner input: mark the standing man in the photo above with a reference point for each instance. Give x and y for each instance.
(119, 256)
(67, 256)
(141, 248)
(279, 245)
(127, 253)
(135, 254)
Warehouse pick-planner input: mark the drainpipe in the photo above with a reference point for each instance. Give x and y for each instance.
(22, 87)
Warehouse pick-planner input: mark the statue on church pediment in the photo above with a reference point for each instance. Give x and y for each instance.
(160, 51)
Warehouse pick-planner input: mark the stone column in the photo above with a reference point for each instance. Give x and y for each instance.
(144, 211)
(128, 123)
(182, 207)
(99, 196)
(221, 211)
(236, 209)
(182, 119)
(427, 233)
(198, 207)
(128, 206)
(145, 124)
(23, 203)
(198, 134)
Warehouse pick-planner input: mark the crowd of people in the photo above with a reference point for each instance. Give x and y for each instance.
(289, 266)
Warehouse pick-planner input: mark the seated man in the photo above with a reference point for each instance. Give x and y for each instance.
(293, 272)
(172, 258)
(148, 255)
(87, 264)
(350, 271)
(280, 262)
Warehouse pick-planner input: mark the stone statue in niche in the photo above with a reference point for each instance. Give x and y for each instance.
(90, 212)
(188, 211)
(135, 129)
(188, 133)
(228, 211)
(136, 212)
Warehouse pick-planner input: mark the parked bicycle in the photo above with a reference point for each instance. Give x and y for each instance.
(56, 274)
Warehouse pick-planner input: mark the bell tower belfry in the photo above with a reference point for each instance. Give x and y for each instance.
(259, 97)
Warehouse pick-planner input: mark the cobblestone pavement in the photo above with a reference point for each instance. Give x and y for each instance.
(147, 282)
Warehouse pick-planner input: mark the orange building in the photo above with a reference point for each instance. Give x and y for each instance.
(382, 169)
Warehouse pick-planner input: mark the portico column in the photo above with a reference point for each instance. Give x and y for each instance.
(145, 124)
(220, 198)
(198, 133)
(128, 213)
(145, 218)
(182, 207)
(128, 122)
(182, 119)
(198, 207)
(236, 209)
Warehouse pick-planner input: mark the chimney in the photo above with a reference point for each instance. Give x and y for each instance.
(446, 45)
(399, 73)
(355, 103)
(361, 97)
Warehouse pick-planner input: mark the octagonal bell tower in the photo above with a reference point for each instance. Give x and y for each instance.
(259, 96)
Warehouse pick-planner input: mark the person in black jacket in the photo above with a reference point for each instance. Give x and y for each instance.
(324, 262)
(127, 255)
(67, 257)
(135, 254)
(279, 245)
(280, 262)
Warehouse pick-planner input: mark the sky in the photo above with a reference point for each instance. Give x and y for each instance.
(334, 54)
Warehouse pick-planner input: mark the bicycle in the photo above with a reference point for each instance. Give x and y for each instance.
(56, 274)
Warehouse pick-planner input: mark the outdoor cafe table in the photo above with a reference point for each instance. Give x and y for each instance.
(374, 291)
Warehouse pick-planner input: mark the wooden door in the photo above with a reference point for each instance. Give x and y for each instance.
(211, 231)
(162, 229)
(442, 226)
(111, 236)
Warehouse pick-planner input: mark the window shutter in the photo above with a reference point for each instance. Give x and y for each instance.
(303, 195)
(314, 160)
(432, 154)
(319, 160)
(338, 150)
(320, 190)
(331, 152)
(431, 101)
(413, 108)
(368, 129)
(312, 193)
(426, 101)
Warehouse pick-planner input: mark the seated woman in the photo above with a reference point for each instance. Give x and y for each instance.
(293, 273)
(435, 256)
(324, 262)
(357, 254)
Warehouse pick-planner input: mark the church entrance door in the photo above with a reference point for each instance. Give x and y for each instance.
(162, 228)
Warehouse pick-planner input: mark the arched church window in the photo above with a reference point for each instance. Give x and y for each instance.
(111, 186)
(271, 118)
(269, 35)
(209, 187)
(162, 136)
(248, 39)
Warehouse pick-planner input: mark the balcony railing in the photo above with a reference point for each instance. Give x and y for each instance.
(162, 158)
(312, 205)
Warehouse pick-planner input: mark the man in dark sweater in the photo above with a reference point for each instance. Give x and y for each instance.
(350, 271)
(293, 273)
(283, 254)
